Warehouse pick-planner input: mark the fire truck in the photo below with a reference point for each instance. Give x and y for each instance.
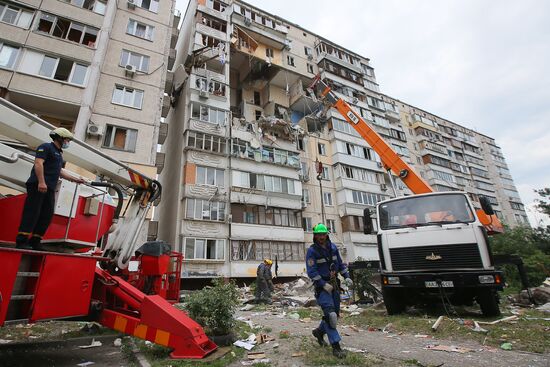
(83, 273)
(430, 244)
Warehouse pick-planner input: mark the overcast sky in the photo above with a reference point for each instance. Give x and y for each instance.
(482, 64)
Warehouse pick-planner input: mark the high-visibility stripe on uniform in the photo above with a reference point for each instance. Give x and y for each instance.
(320, 261)
(317, 277)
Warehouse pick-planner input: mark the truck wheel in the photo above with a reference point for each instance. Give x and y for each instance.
(488, 302)
(393, 301)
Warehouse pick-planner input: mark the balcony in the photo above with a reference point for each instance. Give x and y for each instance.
(171, 59)
(218, 9)
(163, 132)
(159, 162)
(169, 82)
(165, 106)
(392, 112)
(423, 122)
(244, 231)
(302, 99)
(329, 52)
(174, 32)
(274, 37)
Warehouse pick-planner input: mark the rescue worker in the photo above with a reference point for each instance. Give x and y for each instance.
(323, 263)
(39, 204)
(264, 283)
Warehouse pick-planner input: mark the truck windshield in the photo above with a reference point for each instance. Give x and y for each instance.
(425, 210)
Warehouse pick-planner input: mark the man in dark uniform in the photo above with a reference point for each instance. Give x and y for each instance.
(323, 263)
(39, 204)
(264, 282)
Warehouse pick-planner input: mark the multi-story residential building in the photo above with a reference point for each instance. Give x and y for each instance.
(95, 67)
(252, 163)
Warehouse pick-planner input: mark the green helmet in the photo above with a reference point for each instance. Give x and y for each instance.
(61, 132)
(320, 229)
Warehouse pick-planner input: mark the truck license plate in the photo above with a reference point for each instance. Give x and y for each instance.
(444, 284)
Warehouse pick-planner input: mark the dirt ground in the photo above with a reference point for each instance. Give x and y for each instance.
(383, 349)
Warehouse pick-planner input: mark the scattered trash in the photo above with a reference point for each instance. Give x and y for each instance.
(294, 316)
(94, 344)
(509, 318)
(306, 319)
(545, 307)
(388, 328)
(255, 361)
(117, 342)
(84, 364)
(437, 323)
(263, 338)
(506, 346)
(243, 344)
(478, 328)
(298, 354)
(448, 348)
(355, 313)
(246, 321)
(256, 355)
(424, 336)
(354, 328)
(248, 307)
(275, 345)
(5, 341)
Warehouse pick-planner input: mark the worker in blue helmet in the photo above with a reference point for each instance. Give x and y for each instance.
(323, 263)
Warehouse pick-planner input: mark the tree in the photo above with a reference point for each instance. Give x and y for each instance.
(544, 204)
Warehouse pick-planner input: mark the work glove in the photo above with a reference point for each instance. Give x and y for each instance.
(328, 287)
(348, 282)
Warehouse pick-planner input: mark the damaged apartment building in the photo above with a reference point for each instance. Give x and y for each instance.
(251, 163)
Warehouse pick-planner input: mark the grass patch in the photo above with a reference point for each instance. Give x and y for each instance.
(316, 356)
(311, 312)
(284, 334)
(527, 335)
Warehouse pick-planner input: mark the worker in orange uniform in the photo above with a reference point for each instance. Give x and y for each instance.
(39, 204)
(264, 282)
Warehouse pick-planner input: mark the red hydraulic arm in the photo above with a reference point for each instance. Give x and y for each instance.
(390, 159)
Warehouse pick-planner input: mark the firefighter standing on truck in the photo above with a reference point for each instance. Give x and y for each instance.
(39, 204)
(323, 264)
(264, 283)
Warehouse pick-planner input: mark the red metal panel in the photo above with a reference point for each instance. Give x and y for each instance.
(64, 288)
(9, 262)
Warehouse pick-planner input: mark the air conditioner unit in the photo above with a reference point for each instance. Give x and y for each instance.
(383, 187)
(355, 100)
(130, 70)
(94, 130)
(310, 57)
(203, 94)
(304, 204)
(379, 164)
(288, 44)
(247, 21)
(304, 178)
(131, 4)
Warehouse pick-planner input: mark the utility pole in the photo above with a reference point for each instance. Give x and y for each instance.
(319, 168)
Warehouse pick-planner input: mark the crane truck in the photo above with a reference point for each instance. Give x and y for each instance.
(84, 281)
(430, 244)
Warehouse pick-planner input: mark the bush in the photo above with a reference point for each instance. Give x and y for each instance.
(532, 245)
(213, 307)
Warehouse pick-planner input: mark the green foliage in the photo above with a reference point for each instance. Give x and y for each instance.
(362, 282)
(533, 245)
(213, 307)
(544, 204)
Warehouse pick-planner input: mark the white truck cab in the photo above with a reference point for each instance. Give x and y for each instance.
(433, 245)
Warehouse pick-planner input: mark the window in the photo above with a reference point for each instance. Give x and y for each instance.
(216, 5)
(208, 114)
(259, 214)
(305, 196)
(15, 15)
(210, 176)
(248, 250)
(325, 174)
(204, 249)
(308, 51)
(331, 225)
(205, 210)
(66, 29)
(54, 68)
(209, 143)
(151, 5)
(444, 176)
(139, 61)
(321, 149)
(327, 198)
(257, 98)
(266, 183)
(96, 6)
(269, 52)
(290, 60)
(140, 30)
(127, 96)
(360, 174)
(120, 138)
(310, 69)
(306, 224)
(8, 55)
(366, 198)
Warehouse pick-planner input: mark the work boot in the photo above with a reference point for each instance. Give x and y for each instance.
(337, 351)
(317, 333)
(34, 243)
(22, 242)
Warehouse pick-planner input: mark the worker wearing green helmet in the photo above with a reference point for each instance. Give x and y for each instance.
(323, 263)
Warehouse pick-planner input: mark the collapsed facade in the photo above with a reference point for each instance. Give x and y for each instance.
(251, 166)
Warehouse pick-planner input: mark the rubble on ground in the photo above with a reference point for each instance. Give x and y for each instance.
(541, 295)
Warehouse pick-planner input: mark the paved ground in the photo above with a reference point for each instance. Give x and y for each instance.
(393, 349)
(62, 354)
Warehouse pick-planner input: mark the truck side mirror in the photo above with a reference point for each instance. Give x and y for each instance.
(486, 205)
(367, 222)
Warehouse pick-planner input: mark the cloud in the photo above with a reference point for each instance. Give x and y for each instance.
(481, 64)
